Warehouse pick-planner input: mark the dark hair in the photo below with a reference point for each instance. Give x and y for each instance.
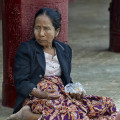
(55, 16)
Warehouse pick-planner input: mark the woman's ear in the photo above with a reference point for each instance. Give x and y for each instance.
(57, 32)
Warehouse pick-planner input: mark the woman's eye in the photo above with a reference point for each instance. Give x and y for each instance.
(37, 28)
(46, 28)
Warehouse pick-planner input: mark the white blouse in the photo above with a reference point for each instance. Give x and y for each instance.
(52, 65)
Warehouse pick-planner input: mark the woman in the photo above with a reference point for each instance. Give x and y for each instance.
(42, 69)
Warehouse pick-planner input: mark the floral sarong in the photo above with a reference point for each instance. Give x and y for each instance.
(66, 108)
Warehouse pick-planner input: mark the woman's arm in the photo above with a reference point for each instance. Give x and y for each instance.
(23, 83)
(45, 94)
(70, 56)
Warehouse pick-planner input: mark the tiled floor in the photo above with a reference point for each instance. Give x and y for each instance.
(93, 65)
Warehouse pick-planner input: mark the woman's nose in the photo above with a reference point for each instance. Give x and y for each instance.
(41, 33)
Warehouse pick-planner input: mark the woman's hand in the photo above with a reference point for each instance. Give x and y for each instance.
(48, 94)
(77, 96)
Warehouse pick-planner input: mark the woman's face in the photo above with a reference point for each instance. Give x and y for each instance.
(44, 30)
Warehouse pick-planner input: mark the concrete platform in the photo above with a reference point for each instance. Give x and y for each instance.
(93, 65)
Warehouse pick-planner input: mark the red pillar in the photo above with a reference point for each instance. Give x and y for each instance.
(115, 26)
(0, 9)
(18, 27)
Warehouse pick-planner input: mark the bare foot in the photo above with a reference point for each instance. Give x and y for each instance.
(28, 115)
(19, 114)
(118, 115)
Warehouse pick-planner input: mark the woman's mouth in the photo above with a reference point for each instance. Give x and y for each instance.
(41, 40)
